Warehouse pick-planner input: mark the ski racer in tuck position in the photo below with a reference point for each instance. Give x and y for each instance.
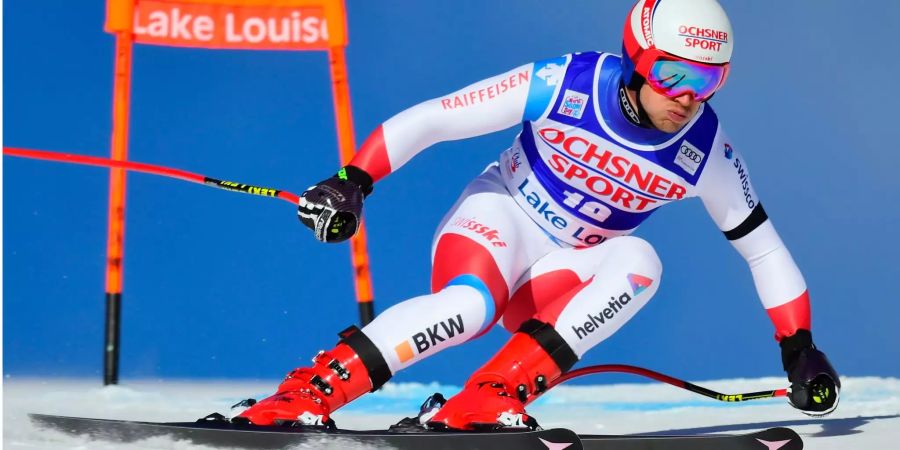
(539, 242)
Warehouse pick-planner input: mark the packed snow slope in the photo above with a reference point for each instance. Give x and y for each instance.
(867, 418)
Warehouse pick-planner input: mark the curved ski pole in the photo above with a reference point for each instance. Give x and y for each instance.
(622, 368)
(152, 169)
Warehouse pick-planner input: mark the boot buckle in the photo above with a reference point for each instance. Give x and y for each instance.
(540, 384)
(339, 370)
(321, 385)
(522, 392)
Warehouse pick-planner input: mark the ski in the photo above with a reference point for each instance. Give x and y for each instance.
(224, 434)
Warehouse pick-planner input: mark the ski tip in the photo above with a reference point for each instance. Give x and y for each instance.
(45, 421)
(50, 420)
(38, 418)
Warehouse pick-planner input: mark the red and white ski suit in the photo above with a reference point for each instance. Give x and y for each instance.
(544, 232)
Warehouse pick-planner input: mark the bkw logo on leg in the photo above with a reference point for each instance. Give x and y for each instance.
(430, 337)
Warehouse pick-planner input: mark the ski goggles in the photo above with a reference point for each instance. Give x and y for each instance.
(676, 77)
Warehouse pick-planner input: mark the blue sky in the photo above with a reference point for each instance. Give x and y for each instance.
(223, 285)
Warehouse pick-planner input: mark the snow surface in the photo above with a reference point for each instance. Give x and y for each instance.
(867, 418)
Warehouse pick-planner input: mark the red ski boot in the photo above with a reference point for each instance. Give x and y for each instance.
(308, 396)
(496, 394)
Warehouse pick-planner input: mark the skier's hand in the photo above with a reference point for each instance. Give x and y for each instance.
(815, 386)
(333, 207)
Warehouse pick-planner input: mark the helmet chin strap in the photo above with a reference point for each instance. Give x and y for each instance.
(634, 112)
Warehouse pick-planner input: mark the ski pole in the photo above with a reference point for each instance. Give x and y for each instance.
(622, 368)
(360, 258)
(152, 169)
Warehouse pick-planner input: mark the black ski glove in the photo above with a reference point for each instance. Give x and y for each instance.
(815, 386)
(333, 207)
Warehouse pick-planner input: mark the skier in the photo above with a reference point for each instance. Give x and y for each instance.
(539, 242)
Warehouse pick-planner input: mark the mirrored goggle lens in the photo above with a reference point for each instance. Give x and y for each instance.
(675, 78)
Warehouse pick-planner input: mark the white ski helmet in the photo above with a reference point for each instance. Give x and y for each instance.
(688, 30)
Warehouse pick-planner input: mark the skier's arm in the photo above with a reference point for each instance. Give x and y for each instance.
(734, 206)
(489, 105)
(333, 207)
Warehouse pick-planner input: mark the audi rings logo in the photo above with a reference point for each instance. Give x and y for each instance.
(691, 154)
(689, 157)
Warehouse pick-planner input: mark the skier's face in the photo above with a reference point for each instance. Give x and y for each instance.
(668, 114)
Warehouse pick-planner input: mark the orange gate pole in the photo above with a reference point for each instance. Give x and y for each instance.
(116, 227)
(359, 256)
